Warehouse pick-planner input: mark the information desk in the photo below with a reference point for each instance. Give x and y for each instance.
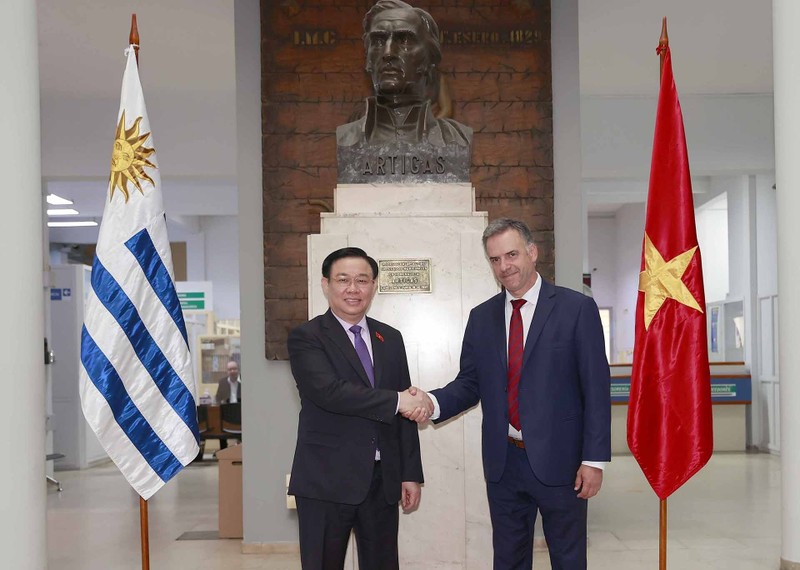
(731, 393)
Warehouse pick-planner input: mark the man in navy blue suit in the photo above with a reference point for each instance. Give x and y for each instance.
(534, 356)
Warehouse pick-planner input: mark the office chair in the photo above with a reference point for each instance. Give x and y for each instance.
(202, 419)
(231, 415)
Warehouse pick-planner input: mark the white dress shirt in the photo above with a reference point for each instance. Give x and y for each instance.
(233, 384)
(531, 297)
(364, 332)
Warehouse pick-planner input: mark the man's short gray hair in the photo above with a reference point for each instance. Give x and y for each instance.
(431, 38)
(501, 225)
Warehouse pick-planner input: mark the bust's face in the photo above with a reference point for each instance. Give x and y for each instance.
(397, 57)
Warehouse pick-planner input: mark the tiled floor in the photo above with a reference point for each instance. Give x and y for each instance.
(728, 517)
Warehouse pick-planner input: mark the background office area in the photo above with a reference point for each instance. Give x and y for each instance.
(200, 67)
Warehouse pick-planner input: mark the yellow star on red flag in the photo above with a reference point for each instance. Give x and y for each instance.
(661, 280)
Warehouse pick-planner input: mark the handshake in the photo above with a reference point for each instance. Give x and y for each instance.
(415, 405)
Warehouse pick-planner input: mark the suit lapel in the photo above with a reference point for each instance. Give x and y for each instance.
(544, 306)
(378, 350)
(497, 328)
(334, 331)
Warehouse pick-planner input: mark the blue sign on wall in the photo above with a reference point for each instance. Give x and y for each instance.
(55, 294)
(730, 389)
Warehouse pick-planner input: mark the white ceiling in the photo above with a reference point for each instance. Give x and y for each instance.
(187, 45)
(718, 46)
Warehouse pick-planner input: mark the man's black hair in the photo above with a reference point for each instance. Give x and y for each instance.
(348, 252)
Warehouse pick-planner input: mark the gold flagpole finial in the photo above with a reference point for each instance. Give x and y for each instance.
(663, 44)
(133, 38)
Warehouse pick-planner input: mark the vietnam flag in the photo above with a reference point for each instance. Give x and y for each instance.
(669, 418)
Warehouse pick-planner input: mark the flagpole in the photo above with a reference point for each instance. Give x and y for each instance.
(662, 536)
(663, 44)
(145, 534)
(133, 39)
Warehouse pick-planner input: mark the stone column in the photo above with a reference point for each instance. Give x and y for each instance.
(786, 56)
(22, 478)
(569, 213)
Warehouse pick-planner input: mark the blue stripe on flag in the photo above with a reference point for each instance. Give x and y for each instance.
(122, 309)
(143, 249)
(129, 418)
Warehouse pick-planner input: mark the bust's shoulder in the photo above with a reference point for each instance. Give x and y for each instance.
(454, 132)
(350, 134)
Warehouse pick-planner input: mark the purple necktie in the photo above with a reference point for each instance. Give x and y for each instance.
(363, 353)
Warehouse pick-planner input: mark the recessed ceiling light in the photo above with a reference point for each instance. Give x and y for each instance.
(75, 224)
(55, 200)
(62, 212)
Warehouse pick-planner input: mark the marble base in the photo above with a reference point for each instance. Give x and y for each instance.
(451, 529)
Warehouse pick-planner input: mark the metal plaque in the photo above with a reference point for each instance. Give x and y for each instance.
(404, 276)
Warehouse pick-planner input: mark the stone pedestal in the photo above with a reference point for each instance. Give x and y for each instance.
(451, 529)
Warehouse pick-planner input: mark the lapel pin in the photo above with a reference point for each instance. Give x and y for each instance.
(378, 336)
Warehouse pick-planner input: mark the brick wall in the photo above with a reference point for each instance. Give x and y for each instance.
(496, 57)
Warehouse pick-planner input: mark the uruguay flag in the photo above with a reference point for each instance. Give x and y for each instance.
(137, 387)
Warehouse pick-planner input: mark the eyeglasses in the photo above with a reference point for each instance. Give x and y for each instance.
(344, 282)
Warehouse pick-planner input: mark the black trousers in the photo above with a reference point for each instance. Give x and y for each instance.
(325, 530)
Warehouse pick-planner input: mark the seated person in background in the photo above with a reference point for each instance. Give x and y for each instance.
(229, 391)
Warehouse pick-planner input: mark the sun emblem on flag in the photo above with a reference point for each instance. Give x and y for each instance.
(129, 158)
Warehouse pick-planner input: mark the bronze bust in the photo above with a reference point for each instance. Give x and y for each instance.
(402, 57)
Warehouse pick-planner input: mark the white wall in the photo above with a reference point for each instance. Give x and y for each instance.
(602, 257)
(767, 236)
(189, 140)
(712, 237)
(739, 238)
(221, 237)
(724, 134)
(615, 253)
(630, 233)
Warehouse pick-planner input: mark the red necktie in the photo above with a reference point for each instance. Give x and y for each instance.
(515, 352)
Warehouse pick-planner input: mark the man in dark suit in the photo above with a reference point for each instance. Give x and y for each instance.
(534, 357)
(229, 391)
(356, 458)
